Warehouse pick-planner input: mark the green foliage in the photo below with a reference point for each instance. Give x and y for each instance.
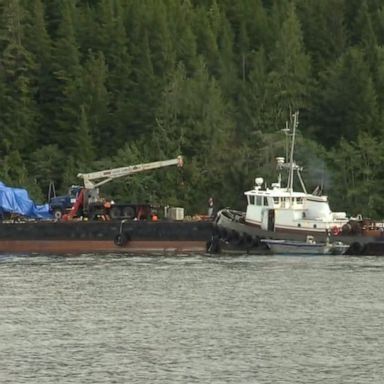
(347, 100)
(92, 85)
(357, 168)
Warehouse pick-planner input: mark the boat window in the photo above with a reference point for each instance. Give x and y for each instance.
(299, 200)
(276, 200)
(252, 200)
(265, 201)
(258, 200)
(285, 202)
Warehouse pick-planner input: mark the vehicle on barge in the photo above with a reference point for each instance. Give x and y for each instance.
(281, 213)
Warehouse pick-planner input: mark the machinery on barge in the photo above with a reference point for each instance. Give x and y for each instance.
(85, 201)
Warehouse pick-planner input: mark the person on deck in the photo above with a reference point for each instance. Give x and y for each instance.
(210, 207)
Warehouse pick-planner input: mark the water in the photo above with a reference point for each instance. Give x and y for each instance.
(191, 319)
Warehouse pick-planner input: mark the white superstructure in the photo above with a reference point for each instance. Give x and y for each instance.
(280, 208)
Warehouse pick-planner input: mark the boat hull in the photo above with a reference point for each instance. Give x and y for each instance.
(231, 229)
(283, 247)
(100, 237)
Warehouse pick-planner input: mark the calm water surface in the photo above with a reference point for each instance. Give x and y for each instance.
(191, 319)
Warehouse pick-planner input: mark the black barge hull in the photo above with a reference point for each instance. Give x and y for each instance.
(105, 237)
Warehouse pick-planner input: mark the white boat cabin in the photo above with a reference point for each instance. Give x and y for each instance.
(279, 208)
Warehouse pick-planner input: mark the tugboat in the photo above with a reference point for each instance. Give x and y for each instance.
(281, 213)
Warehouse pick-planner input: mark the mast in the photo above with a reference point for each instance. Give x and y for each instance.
(290, 166)
(291, 163)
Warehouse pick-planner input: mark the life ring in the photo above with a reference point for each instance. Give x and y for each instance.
(335, 230)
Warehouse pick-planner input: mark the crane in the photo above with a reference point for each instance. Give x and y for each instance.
(106, 176)
(86, 199)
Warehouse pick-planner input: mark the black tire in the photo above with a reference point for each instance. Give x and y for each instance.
(256, 241)
(355, 249)
(115, 213)
(216, 230)
(236, 238)
(121, 239)
(129, 212)
(57, 214)
(213, 245)
(248, 240)
(223, 233)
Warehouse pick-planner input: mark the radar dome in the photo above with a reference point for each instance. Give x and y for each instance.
(259, 181)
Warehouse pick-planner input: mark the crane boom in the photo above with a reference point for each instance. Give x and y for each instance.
(106, 176)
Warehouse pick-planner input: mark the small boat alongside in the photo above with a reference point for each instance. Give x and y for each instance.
(309, 247)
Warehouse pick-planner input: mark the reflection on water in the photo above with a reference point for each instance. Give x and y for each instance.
(191, 319)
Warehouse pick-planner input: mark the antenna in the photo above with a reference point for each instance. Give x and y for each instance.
(51, 190)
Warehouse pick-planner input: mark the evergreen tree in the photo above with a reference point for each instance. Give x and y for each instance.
(206, 36)
(83, 146)
(347, 101)
(367, 36)
(47, 164)
(182, 35)
(67, 71)
(15, 174)
(40, 44)
(324, 31)
(19, 116)
(95, 104)
(357, 167)
(289, 79)
(256, 113)
(194, 111)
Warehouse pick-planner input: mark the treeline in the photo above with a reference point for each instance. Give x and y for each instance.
(88, 85)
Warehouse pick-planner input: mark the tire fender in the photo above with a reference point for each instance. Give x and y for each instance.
(121, 239)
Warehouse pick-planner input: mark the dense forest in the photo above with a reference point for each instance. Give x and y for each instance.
(89, 85)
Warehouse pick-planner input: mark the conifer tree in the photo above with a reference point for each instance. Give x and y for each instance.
(19, 116)
(324, 31)
(182, 34)
(95, 107)
(347, 101)
(289, 78)
(67, 71)
(40, 44)
(194, 111)
(357, 171)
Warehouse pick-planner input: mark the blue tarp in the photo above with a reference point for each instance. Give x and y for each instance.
(16, 200)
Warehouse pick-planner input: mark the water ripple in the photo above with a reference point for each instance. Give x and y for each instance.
(191, 319)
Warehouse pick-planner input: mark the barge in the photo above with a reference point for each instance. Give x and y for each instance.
(75, 237)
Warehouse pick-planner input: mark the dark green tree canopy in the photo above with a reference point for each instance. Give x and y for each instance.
(88, 85)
